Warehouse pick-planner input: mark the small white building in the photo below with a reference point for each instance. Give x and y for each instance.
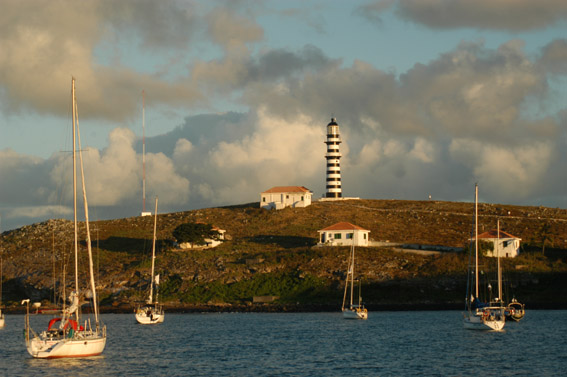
(343, 234)
(209, 242)
(280, 197)
(509, 246)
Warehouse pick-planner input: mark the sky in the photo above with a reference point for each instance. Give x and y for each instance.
(431, 97)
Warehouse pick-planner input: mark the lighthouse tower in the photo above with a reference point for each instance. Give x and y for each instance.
(333, 157)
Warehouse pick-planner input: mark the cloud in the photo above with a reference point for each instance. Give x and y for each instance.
(276, 152)
(113, 179)
(515, 15)
(39, 211)
(157, 25)
(506, 173)
(373, 11)
(471, 113)
(44, 43)
(238, 71)
(470, 91)
(554, 57)
(231, 30)
(423, 150)
(22, 179)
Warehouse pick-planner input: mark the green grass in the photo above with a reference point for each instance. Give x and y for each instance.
(291, 287)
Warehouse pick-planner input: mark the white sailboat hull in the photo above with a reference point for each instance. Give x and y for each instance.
(77, 346)
(1, 320)
(476, 321)
(149, 316)
(355, 313)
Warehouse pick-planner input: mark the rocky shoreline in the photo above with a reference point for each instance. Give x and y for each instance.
(288, 308)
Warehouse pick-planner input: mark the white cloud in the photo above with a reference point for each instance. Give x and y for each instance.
(507, 172)
(274, 152)
(276, 144)
(423, 150)
(48, 211)
(164, 181)
(371, 153)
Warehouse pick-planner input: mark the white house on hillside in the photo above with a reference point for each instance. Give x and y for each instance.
(209, 242)
(509, 245)
(280, 197)
(343, 234)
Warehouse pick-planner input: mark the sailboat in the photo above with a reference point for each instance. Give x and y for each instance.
(66, 336)
(352, 311)
(479, 315)
(515, 310)
(152, 312)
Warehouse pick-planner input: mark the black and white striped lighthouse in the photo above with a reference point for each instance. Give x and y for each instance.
(333, 157)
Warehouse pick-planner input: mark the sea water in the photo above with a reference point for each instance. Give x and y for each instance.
(416, 343)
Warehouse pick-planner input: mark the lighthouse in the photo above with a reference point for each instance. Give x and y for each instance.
(333, 157)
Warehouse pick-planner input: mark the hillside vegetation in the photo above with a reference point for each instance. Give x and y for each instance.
(273, 253)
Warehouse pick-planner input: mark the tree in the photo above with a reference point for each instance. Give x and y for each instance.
(544, 235)
(194, 233)
(484, 247)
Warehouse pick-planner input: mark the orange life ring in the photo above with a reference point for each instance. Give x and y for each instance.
(69, 321)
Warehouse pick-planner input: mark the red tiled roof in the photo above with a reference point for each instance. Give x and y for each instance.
(494, 234)
(286, 189)
(344, 226)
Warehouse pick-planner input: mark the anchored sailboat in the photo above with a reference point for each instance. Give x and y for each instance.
(515, 310)
(152, 312)
(352, 311)
(66, 336)
(479, 315)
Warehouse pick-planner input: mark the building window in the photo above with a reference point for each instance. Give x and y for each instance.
(364, 235)
(264, 199)
(287, 196)
(302, 198)
(349, 236)
(338, 236)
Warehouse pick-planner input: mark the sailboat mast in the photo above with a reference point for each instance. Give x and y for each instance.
(53, 263)
(476, 239)
(1, 276)
(143, 151)
(352, 273)
(75, 187)
(89, 247)
(498, 255)
(153, 255)
(346, 285)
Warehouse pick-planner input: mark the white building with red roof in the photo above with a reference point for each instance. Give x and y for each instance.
(343, 234)
(280, 197)
(509, 246)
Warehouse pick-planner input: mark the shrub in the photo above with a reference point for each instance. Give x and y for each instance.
(194, 233)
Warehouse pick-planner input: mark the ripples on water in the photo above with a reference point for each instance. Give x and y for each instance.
(305, 344)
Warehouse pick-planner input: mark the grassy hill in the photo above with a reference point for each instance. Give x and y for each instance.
(272, 253)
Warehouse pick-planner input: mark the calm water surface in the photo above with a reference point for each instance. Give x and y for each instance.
(305, 344)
